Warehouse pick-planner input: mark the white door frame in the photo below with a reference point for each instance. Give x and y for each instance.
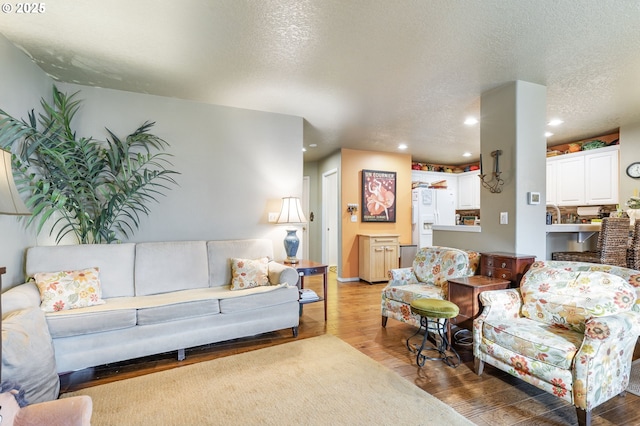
(306, 184)
(330, 203)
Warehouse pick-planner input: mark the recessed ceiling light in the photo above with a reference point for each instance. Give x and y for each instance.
(466, 154)
(402, 146)
(548, 134)
(555, 122)
(313, 145)
(470, 121)
(304, 149)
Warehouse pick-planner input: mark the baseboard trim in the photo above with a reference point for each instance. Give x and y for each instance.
(346, 280)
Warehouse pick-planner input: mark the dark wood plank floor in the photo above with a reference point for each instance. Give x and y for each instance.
(495, 398)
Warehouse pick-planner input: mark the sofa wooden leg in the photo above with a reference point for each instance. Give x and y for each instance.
(478, 365)
(295, 331)
(384, 321)
(584, 417)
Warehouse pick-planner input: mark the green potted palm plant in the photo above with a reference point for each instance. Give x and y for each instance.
(96, 190)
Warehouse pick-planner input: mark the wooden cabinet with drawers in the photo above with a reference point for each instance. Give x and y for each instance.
(377, 254)
(507, 266)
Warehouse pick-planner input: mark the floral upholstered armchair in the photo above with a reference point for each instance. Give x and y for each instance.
(427, 278)
(570, 329)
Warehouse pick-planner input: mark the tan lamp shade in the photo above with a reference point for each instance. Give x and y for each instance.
(291, 211)
(10, 201)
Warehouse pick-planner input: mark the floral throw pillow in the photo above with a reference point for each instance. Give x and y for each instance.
(249, 273)
(64, 290)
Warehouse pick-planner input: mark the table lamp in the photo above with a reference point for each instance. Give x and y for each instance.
(10, 201)
(290, 214)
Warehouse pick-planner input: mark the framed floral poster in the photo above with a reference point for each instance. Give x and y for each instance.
(378, 196)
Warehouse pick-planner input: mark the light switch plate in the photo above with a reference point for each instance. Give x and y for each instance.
(504, 218)
(273, 217)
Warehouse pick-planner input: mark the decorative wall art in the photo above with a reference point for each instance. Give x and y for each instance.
(378, 196)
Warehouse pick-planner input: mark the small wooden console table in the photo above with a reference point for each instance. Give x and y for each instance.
(307, 268)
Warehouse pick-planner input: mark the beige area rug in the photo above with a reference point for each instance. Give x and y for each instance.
(634, 378)
(315, 381)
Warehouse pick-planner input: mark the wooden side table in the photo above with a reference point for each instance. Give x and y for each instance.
(307, 268)
(464, 292)
(508, 266)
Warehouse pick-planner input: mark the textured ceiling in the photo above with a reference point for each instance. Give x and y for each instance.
(363, 74)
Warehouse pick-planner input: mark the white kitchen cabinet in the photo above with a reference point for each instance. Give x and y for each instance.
(469, 190)
(570, 180)
(601, 176)
(584, 178)
(552, 178)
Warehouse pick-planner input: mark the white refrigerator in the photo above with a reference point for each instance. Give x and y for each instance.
(430, 207)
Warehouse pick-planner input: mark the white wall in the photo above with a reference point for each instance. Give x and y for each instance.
(530, 165)
(22, 85)
(235, 164)
(315, 170)
(513, 117)
(629, 153)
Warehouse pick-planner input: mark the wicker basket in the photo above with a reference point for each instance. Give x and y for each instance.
(613, 245)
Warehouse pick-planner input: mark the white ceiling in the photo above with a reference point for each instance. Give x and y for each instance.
(365, 74)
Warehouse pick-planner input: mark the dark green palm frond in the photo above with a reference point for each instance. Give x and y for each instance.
(96, 190)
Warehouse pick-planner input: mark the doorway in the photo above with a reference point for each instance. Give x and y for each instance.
(330, 218)
(305, 209)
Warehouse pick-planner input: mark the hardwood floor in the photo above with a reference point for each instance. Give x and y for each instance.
(495, 398)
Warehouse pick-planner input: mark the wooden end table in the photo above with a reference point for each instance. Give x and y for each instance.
(307, 268)
(464, 292)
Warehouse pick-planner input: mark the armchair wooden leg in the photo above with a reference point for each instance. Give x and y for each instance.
(478, 366)
(584, 417)
(384, 321)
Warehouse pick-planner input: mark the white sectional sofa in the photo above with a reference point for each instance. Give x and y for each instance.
(160, 297)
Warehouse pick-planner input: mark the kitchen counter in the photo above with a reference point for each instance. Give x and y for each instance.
(457, 228)
(574, 227)
(583, 230)
(565, 227)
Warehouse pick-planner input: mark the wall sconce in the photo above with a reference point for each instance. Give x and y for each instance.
(494, 183)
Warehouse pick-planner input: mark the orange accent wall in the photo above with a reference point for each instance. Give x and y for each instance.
(353, 162)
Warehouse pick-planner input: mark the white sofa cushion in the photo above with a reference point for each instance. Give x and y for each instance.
(254, 300)
(90, 322)
(163, 267)
(178, 311)
(115, 261)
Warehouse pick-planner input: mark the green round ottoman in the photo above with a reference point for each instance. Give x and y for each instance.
(434, 314)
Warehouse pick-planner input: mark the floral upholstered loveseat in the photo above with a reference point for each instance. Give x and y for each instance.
(426, 279)
(570, 329)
